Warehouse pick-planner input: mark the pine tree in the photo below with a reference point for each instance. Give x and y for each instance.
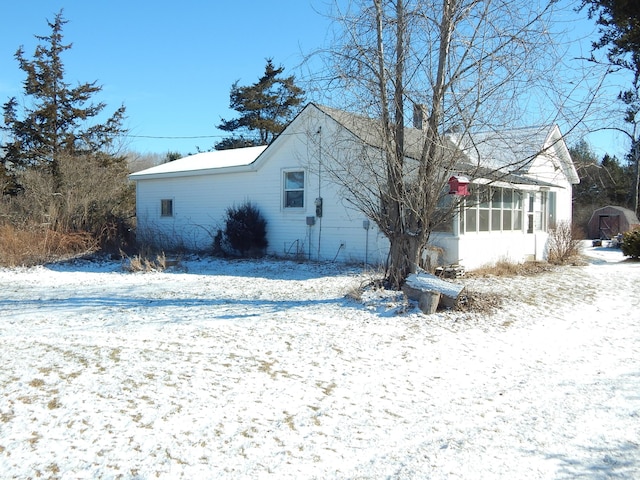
(619, 31)
(265, 108)
(56, 121)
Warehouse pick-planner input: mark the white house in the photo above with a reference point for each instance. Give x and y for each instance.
(508, 215)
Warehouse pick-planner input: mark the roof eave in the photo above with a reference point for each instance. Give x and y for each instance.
(194, 173)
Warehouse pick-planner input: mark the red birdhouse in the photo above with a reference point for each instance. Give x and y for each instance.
(459, 185)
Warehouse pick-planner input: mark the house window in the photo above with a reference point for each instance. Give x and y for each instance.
(492, 209)
(166, 207)
(294, 189)
(517, 210)
(471, 219)
(484, 211)
(496, 209)
(551, 207)
(507, 209)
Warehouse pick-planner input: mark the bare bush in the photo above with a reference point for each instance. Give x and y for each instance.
(93, 198)
(92, 192)
(95, 191)
(564, 247)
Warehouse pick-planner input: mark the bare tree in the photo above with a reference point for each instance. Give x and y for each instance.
(454, 66)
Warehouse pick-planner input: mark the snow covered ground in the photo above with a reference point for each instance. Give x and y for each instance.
(268, 369)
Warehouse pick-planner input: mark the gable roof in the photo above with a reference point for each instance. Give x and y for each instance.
(514, 151)
(502, 149)
(490, 155)
(628, 214)
(500, 155)
(368, 131)
(202, 163)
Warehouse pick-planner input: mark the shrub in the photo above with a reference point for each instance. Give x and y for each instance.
(631, 243)
(246, 230)
(563, 244)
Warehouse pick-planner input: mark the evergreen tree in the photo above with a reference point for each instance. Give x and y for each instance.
(618, 181)
(56, 121)
(172, 156)
(265, 109)
(619, 25)
(235, 142)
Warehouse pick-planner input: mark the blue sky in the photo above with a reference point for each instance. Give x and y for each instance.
(172, 64)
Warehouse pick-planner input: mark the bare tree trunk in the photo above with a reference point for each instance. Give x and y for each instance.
(404, 256)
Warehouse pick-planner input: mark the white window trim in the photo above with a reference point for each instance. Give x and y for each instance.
(284, 190)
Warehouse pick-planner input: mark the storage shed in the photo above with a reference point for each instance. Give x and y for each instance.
(607, 222)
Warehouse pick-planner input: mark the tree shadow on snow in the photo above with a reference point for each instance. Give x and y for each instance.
(620, 461)
(267, 268)
(218, 308)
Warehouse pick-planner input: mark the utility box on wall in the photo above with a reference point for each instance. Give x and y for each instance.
(459, 185)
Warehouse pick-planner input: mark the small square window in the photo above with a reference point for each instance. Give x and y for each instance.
(166, 208)
(294, 189)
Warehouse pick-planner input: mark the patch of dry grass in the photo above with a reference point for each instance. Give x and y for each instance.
(480, 302)
(148, 262)
(36, 245)
(506, 268)
(487, 302)
(36, 383)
